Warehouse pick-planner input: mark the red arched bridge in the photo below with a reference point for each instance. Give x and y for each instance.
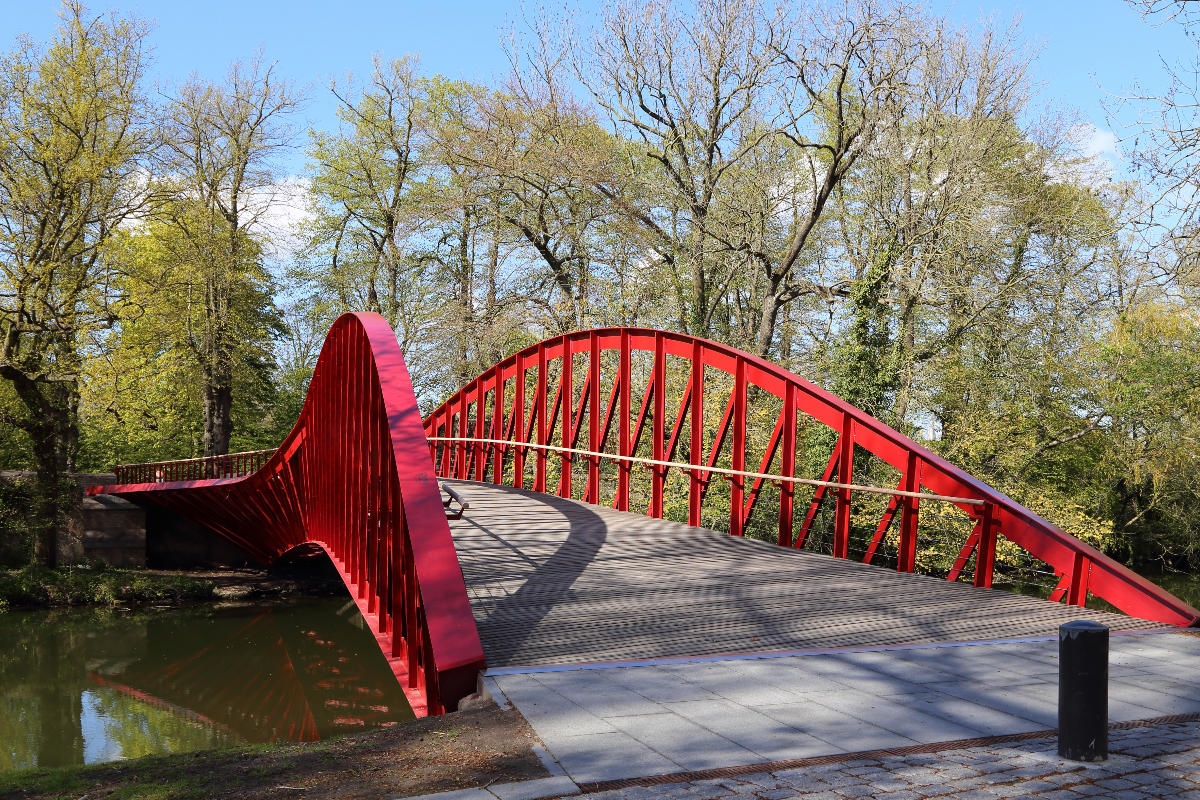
(870, 538)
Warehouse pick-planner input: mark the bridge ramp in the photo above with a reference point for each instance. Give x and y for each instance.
(555, 582)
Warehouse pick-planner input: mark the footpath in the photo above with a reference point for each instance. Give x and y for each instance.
(961, 722)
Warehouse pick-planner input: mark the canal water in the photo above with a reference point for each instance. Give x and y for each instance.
(81, 686)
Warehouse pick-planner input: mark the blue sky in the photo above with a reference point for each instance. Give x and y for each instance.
(1090, 50)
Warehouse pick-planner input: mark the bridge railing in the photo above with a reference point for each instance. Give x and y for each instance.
(230, 465)
(575, 414)
(353, 478)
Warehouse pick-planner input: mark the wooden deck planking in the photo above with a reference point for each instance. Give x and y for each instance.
(555, 581)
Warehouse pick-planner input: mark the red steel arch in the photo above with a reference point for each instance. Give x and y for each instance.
(479, 430)
(354, 478)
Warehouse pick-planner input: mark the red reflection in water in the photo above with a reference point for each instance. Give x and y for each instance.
(283, 675)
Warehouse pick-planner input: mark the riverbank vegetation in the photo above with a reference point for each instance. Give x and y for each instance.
(97, 584)
(853, 189)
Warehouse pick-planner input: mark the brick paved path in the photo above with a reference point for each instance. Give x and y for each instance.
(1157, 761)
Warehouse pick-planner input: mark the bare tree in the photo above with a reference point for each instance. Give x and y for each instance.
(694, 92)
(221, 145)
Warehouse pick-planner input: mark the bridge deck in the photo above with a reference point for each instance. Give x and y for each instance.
(556, 581)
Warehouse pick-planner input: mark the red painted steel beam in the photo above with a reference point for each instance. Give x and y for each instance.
(1088, 570)
(356, 477)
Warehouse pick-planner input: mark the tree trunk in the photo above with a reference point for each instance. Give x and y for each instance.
(768, 317)
(218, 407)
(52, 427)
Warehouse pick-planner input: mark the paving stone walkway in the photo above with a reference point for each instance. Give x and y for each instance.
(631, 722)
(1158, 761)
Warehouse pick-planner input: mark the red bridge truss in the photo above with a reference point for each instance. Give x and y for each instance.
(357, 477)
(687, 411)
(354, 478)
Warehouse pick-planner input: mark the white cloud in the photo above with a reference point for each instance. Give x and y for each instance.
(282, 210)
(1097, 156)
(1097, 142)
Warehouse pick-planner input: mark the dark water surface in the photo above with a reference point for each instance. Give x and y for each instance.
(80, 686)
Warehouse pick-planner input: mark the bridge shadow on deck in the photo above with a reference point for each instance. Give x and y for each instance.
(556, 581)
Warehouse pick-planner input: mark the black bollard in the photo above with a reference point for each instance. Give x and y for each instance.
(1083, 691)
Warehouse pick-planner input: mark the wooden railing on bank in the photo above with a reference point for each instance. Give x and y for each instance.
(230, 465)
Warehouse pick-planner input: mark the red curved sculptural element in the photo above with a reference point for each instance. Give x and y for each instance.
(529, 420)
(353, 477)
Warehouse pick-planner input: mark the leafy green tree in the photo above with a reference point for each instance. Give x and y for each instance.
(146, 395)
(73, 137)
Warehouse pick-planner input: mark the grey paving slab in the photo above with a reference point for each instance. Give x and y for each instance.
(982, 719)
(550, 713)
(730, 683)
(457, 794)
(561, 786)
(695, 715)
(657, 684)
(684, 742)
(770, 738)
(844, 733)
(1034, 702)
(608, 756)
(595, 693)
(1161, 696)
(900, 715)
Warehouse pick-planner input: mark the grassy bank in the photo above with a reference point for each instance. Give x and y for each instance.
(36, 587)
(436, 754)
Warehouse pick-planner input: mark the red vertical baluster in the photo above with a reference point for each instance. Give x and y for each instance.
(985, 555)
(338, 423)
(696, 442)
(626, 378)
(371, 470)
(412, 614)
(498, 425)
(519, 432)
(403, 591)
(446, 426)
(542, 401)
(360, 465)
(658, 428)
(737, 483)
(566, 378)
(480, 450)
(355, 465)
(787, 489)
(386, 526)
(381, 442)
(907, 560)
(594, 412)
(1081, 568)
(841, 522)
(336, 455)
(460, 466)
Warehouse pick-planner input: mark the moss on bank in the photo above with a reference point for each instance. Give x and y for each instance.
(36, 587)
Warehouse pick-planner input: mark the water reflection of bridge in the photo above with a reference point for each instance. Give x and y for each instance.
(125, 685)
(290, 676)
